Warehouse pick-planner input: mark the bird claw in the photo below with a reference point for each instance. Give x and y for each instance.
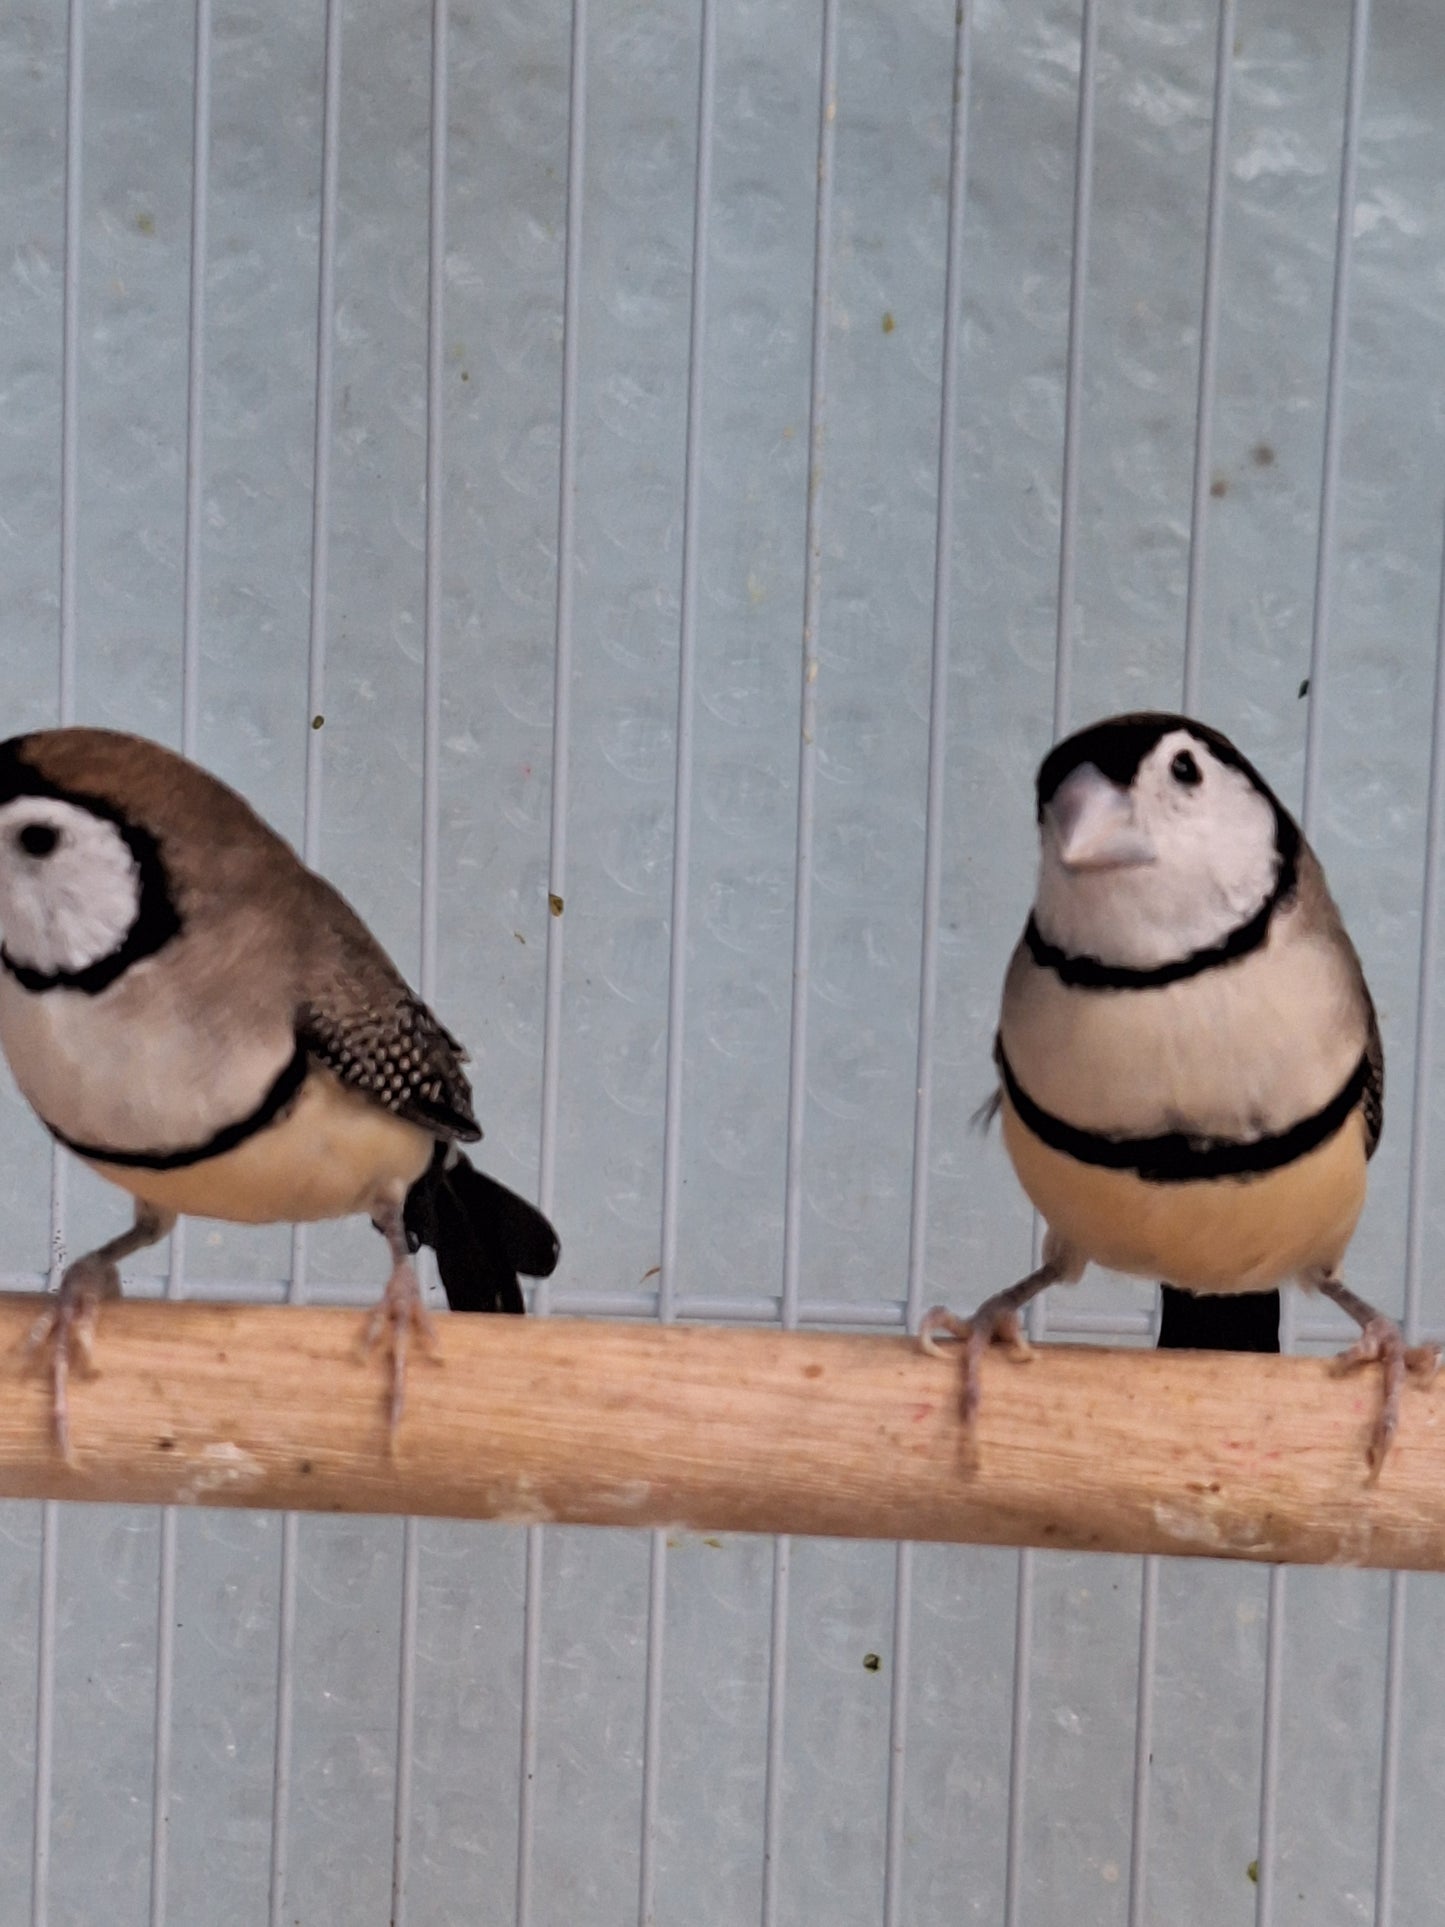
(996, 1322)
(66, 1329)
(398, 1314)
(1382, 1343)
(938, 1324)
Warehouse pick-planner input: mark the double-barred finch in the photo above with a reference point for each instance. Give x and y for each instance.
(209, 1025)
(1190, 1073)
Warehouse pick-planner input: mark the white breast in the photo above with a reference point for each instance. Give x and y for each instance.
(1243, 1050)
(128, 1070)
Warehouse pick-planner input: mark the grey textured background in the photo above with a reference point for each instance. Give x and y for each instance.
(501, 386)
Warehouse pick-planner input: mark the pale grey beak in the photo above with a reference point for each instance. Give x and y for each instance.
(1093, 823)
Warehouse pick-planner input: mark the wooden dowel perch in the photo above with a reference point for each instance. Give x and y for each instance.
(589, 1422)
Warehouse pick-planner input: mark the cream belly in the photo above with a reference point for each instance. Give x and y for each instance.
(1229, 1235)
(332, 1154)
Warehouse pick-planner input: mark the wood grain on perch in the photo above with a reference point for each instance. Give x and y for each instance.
(728, 1430)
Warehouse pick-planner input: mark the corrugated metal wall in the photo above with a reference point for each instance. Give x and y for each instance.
(690, 459)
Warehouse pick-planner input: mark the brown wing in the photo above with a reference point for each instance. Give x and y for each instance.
(361, 1020)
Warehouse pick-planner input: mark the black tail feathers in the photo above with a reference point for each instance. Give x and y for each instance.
(1245, 1321)
(482, 1234)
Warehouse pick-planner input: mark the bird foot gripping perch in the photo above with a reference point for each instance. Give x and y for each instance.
(400, 1313)
(1382, 1343)
(66, 1328)
(64, 1333)
(996, 1322)
(992, 1324)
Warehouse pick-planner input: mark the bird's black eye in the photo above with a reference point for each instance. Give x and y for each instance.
(38, 839)
(1185, 770)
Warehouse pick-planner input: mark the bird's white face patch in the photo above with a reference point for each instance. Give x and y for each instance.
(1214, 861)
(70, 885)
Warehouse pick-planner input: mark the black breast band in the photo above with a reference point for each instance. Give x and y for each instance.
(1180, 1157)
(1092, 973)
(226, 1139)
